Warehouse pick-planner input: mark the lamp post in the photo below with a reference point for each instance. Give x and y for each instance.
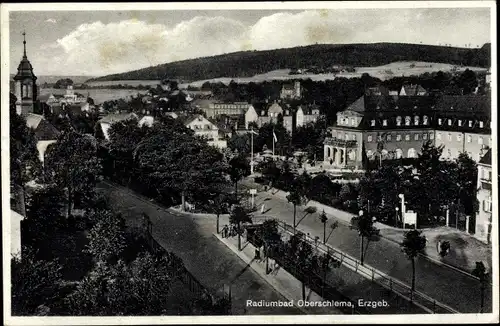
(402, 209)
(397, 215)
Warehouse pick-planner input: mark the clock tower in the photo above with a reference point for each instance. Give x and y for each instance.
(25, 85)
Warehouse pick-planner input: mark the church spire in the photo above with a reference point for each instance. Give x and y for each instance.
(24, 44)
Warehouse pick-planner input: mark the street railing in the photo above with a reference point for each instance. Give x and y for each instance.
(395, 286)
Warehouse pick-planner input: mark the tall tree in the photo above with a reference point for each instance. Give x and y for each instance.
(296, 198)
(175, 163)
(323, 218)
(238, 169)
(271, 237)
(413, 244)
(467, 183)
(481, 273)
(72, 163)
(239, 215)
(365, 230)
(300, 254)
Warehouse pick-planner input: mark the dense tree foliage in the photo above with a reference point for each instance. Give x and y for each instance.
(72, 164)
(63, 83)
(34, 283)
(24, 162)
(250, 63)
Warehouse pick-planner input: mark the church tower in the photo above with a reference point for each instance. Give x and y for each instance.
(25, 83)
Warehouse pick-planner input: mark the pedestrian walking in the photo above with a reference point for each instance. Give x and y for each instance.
(262, 208)
(439, 247)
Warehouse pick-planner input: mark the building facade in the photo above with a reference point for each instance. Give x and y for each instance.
(484, 197)
(291, 91)
(230, 109)
(304, 118)
(394, 127)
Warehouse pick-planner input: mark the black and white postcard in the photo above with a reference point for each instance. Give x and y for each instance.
(255, 162)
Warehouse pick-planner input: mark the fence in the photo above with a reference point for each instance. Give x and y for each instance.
(397, 287)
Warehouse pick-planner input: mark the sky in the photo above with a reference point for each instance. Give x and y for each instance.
(96, 43)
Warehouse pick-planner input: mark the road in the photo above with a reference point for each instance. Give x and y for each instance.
(446, 285)
(210, 261)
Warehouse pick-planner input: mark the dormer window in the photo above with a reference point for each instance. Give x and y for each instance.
(440, 121)
(470, 123)
(417, 120)
(481, 124)
(407, 121)
(398, 121)
(372, 123)
(425, 120)
(353, 121)
(460, 123)
(449, 122)
(384, 122)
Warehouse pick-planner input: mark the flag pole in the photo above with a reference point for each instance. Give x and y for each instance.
(251, 160)
(273, 145)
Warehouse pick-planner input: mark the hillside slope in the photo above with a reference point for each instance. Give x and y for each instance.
(249, 63)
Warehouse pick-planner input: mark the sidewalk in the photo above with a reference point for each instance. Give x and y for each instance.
(349, 283)
(278, 278)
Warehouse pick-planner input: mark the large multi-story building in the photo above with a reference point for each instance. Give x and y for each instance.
(483, 218)
(269, 115)
(291, 91)
(230, 109)
(390, 127)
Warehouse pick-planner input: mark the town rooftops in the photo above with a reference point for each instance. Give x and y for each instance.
(465, 103)
(115, 117)
(413, 90)
(486, 159)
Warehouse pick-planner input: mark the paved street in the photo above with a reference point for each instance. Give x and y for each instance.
(446, 285)
(210, 261)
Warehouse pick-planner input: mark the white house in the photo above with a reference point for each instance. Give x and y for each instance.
(15, 233)
(106, 122)
(45, 133)
(206, 129)
(484, 197)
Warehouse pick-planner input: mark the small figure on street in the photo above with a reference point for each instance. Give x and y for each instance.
(439, 247)
(263, 208)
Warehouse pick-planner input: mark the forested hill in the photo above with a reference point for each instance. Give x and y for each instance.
(250, 63)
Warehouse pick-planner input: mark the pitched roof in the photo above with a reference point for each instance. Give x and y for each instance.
(358, 105)
(43, 129)
(465, 103)
(486, 159)
(413, 89)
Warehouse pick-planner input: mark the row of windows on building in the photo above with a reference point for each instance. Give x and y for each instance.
(398, 153)
(399, 137)
(480, 139)
(417, 137)
(416, 122)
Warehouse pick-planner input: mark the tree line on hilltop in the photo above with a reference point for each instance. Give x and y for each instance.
(250, 63)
